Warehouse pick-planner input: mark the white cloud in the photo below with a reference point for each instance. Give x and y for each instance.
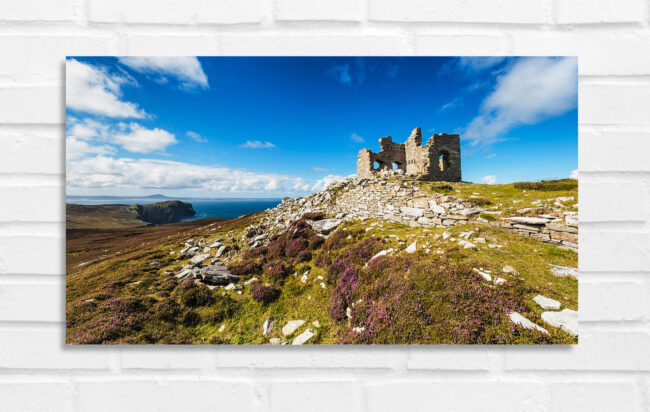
(491, 156)
(341, 73)
(356, 138)
(93, 90)
(325, 181)
(256, 144)
(574, 174)
(187, 70)
(479, 63)
(530, 91)
(455, 102)
(138, 139)
(196, 137)
(319, 169)
(102, 172)
(489, 179)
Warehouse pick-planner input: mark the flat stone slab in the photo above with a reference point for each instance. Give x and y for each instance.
(527, 220)
(567, 320)
(519, 320)
(199, 258)
(564, 271)
(292, 326)
(412, 247)
(267, 327)
(324, 226)
(547, 303)
(303, 337)
(217, 275)
(484, 275)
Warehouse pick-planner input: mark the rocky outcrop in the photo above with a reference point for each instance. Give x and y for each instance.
(163, 212)
(401, 201)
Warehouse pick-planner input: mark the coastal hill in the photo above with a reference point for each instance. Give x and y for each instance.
(126, 216)
(382, 260)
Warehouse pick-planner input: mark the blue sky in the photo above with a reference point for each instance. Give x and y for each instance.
(274, 126)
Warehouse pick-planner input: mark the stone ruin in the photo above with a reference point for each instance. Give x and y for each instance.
(438, 159)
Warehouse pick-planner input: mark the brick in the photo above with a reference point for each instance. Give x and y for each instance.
(470, 44)
(42, 58)
(33, 302)
(613, 251)
(22, 348)
(590, 46)
(17, 255)
(269, 357)
(26, 204)
(614, 103)
(339, 10)
(295, 396)
(451, 358)
(196, 394)
(597, 153)
(451, 395)
(613, 200)
(599, 11)
(173, 12)
(45, 104)
(472, 11)
(36, 396)
(198, 357)
(314, 45)
(172, 45)
(611, 300)
(32, 149)
(599, 350)
(595, 396)
(37, 10)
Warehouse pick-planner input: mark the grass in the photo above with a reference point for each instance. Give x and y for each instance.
(510, 197)
(417, 298)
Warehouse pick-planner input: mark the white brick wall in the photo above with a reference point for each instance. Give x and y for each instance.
(610, 368)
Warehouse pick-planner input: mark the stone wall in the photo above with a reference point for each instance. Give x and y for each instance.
(402, 202)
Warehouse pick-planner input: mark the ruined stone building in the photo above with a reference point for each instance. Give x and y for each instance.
(438, 159)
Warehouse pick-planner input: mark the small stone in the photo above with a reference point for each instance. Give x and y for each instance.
(267, 327)
(359, 329)
(275, 341)
(304, 279)
(412, 247)
(316, 324)
(303, 337)
(230, 286)
(567, 320)
(519, 320)
(292, 326)
(499, 281)
(563, 271)
(546, 303)
(483, 274)
(509, 269)
(199, 258)
(222, 328)
(322, 285)
(249, 281)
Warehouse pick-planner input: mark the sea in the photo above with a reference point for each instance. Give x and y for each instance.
(225, 208)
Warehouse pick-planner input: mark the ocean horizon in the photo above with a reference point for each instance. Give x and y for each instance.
(226, 208)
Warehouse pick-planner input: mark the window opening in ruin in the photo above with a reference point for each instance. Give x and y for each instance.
(375, 165)
(443, 160)
(395, 166)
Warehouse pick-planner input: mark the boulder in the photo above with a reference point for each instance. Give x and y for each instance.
(412, 211)
(222, 249)
(564, 271)
(567, 320)
(510, 269)
(199, 258)
(546, 303)
(520, 320)
(303, 337)
(217, 274)
(483, 274)
(292, 326)
(324, 226)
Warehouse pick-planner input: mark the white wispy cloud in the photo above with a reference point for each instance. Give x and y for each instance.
(103, 172)
(479, 63)
(356, 138)
(138, 139)
(196, 137)
(94, 90)
(88, 136)
(325, 181)
(529, 91)
(489, 179)
(341, 73)
(256, 144)
(574, 174)
(455, 102)
(491, 156)
(319, 169)
(186, 70)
